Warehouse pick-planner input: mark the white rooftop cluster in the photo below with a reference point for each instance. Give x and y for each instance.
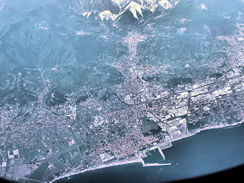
(4, 164)
(12, 154)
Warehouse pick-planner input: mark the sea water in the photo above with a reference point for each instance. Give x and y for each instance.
(202, 154)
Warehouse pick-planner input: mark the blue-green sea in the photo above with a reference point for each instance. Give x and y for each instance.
(202, 154)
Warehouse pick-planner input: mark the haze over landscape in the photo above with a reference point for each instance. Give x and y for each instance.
(86, 85)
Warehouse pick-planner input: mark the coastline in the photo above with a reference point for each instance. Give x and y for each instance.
(139, 159)
(117, 163)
